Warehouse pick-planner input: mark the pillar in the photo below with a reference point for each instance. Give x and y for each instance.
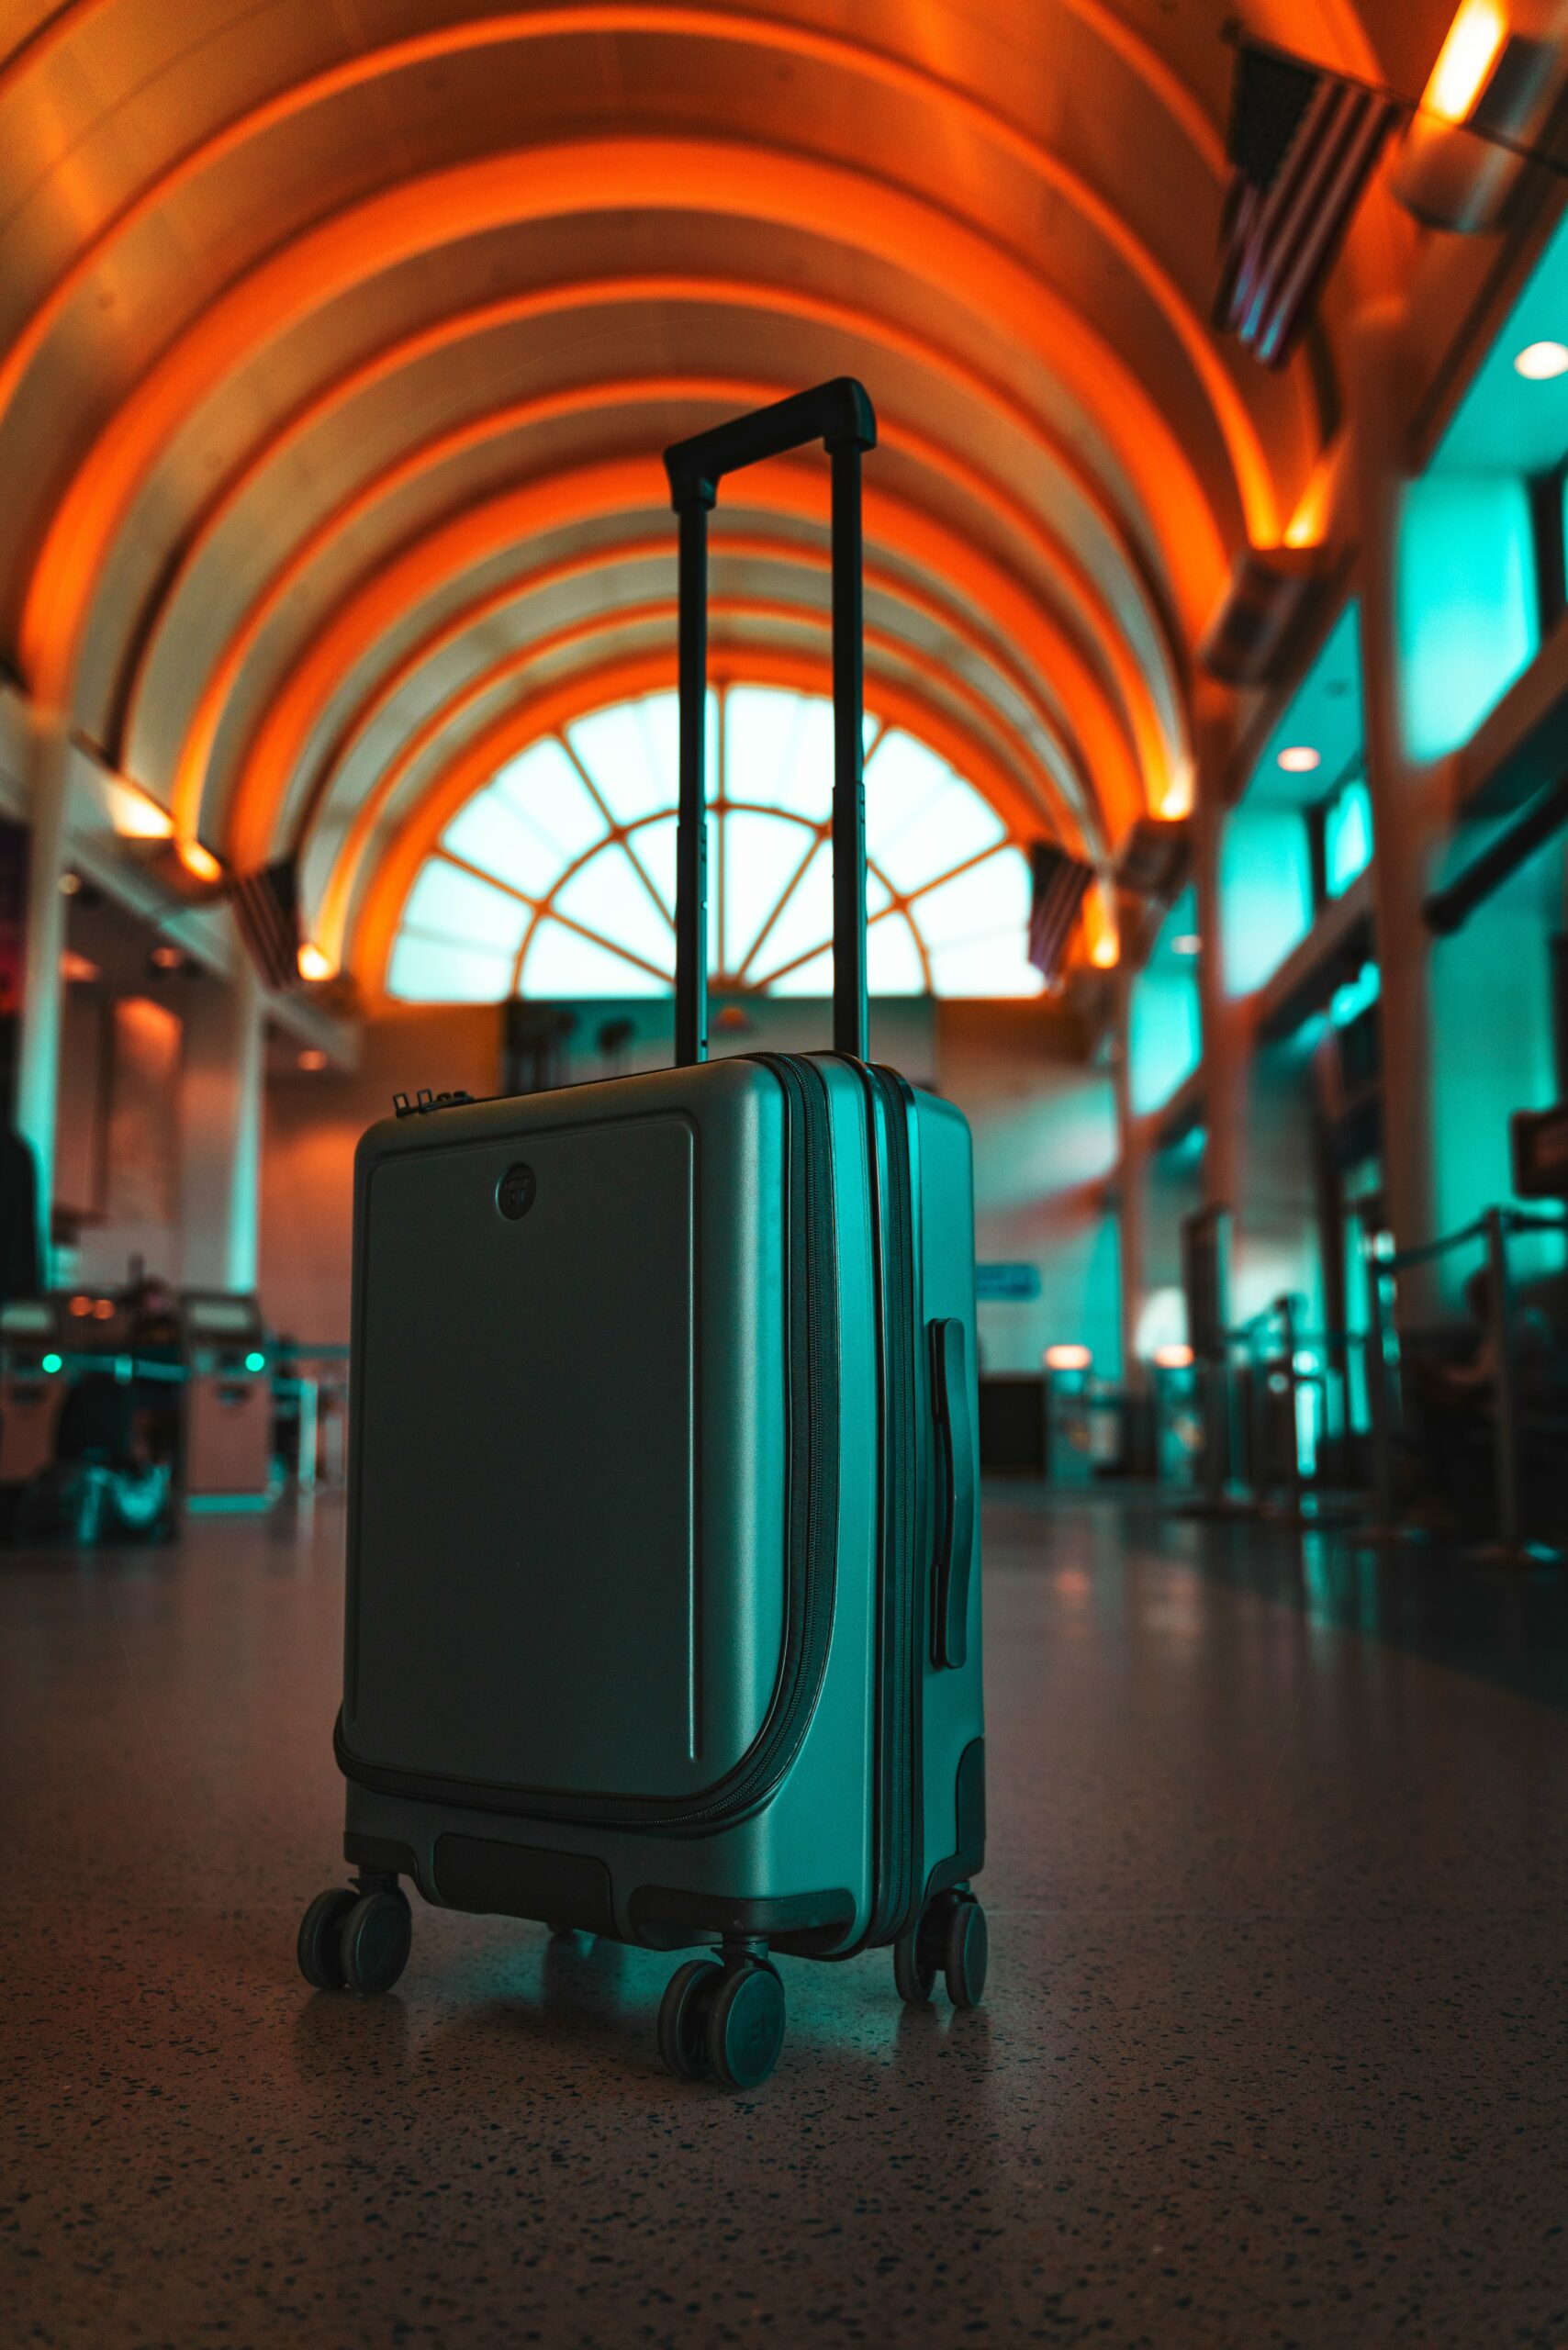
(38, 1060)
(1403, 794)
(1225, 1032)
(221, 1139)
(1132, 1157)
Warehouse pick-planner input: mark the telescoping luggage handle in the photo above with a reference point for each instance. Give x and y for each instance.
(840, 415)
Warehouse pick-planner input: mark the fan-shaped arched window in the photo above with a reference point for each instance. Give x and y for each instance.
(558, 878)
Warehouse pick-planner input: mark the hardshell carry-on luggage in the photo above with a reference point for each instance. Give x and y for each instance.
(663, 1611)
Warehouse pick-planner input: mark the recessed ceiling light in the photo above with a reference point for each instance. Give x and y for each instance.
(1300, 759)
(1539, 361)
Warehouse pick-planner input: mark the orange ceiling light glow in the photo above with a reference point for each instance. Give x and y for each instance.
(539, 304)
(134, 814)
(314, 962)
(1465, 60)
(764, 187)
(1136, 711)
(637, 487)
(474, 621)
(198, 862)
(894, 72)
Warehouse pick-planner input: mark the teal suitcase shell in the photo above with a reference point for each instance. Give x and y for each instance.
(663, 1605)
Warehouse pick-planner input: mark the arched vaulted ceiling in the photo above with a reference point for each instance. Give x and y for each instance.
(340, 344)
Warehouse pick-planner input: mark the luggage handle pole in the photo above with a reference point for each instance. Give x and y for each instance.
(841, 416)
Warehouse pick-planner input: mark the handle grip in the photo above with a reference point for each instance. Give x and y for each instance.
(955, 1493)
(839, 414)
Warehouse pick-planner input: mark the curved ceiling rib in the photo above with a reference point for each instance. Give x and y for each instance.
(1073, 674)
(637, 486)
(370, 927)
(595, 175)
(1003, 779)
(953, 621)
(546, 302)
(1022, 805)
(789, 37)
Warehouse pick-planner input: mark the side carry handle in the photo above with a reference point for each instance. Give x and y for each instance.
(840, 415)
(955, 1493)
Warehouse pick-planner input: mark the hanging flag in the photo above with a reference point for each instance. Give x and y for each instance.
(266, 907)
(1060, 882)
(1302, 143)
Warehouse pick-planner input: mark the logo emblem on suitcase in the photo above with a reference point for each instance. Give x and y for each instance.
(514, 1192)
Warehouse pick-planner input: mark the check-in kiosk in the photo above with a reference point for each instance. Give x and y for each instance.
(33, 1385)
(226, 1453)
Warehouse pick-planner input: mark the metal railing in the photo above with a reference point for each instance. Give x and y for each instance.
(1493, 1229)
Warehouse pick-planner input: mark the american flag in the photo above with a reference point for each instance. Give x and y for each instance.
(1303, 145)
(266, 907)
(1060, 882)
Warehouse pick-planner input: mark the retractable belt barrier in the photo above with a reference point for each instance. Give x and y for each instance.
(1495, 1228)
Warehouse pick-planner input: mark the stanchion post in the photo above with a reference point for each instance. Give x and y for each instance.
(1380, 1400)
(1505, 1422)
(1285, 1309)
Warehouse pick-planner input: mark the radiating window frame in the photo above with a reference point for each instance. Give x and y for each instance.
(816, 835)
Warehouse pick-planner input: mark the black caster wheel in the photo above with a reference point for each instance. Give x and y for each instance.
(321, 1944)
(683, 2018)
(745, 2026)
(375, 1943)
(964, 1952)
(914, 1970)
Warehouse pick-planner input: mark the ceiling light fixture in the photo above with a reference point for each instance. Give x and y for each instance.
(199, 862)
(314, 961)
(1538, 362)
(1188, 943)
(1068, 1357)
(1300, 758)
(1465, 60)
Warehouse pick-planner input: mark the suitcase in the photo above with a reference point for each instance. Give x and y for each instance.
(663, 1601)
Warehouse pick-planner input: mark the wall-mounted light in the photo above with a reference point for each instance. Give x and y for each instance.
(78, 970)
(167, 958)
(199, 862)
(134, 814)
(1463, 156)
(1173, 1357)
(1299, 758)
(1538, 362)
(1465, 60)
(1068, 1357)
(314, 961)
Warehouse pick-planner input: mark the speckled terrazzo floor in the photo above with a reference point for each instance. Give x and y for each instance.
(1276, 2050)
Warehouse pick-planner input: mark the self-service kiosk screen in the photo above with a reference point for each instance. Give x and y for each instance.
(221, 1317)
(23, 1319)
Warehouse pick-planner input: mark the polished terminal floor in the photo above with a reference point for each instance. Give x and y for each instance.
(1275, 2052)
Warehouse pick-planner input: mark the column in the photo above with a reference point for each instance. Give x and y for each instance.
(221, 1139)
(37, 1061)
(1132, 1158)
(1225, 1034)
(1403, 795)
